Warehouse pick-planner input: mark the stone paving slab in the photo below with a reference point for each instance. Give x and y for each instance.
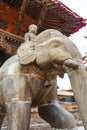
(79, 128)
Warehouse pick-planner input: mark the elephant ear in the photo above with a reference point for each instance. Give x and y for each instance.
(26, 53)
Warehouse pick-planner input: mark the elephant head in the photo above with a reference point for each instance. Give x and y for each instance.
(53, 48)
(50, 45)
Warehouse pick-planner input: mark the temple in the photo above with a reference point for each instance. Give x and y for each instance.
(17, 15)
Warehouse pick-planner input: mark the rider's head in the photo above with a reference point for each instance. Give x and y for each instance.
(33, 28)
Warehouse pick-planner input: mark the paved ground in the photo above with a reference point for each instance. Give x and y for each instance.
(79, 128)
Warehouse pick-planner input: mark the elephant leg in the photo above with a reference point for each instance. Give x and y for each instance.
(17, 96)
(57, 116)
(2, 115)
(18, 113)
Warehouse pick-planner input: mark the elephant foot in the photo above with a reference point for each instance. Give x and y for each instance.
(18, 113)
(57, 116)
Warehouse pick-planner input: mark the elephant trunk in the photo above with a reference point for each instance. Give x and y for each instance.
(78, 79)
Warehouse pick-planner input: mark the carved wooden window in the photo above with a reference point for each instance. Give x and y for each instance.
(3, 24)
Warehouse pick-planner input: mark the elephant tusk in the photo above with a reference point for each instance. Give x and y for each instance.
(71, 64)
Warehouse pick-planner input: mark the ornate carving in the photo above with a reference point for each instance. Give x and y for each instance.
(9, 42)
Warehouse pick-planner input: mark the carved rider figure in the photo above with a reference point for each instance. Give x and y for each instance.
(31, 34)
(29, 47)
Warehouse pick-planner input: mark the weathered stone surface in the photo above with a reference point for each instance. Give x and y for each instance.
(35, 79)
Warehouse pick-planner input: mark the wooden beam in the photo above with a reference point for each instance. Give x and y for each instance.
(8, 34)
(11, 16)
(23, 8)
(21, 16)
(9, 49)
(42, 16)
(6, 38)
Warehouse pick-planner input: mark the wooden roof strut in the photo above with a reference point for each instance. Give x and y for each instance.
(42, 16)
(21, 16)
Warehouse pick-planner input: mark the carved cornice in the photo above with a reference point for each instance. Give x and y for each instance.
(9, 42)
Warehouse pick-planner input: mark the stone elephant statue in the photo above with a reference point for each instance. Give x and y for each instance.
(29, 79)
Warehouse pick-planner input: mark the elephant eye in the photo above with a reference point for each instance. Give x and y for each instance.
(55, 45)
